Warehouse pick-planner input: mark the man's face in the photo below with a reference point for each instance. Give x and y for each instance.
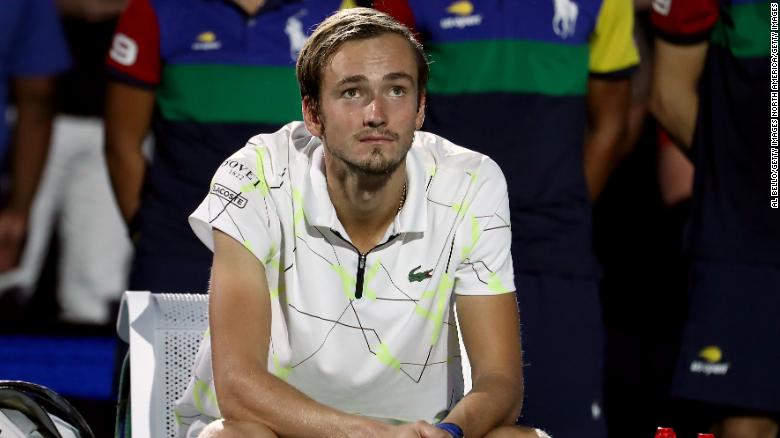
(368, 104)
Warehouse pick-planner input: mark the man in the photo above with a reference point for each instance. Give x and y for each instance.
(712, 93)
(338, 244)
(543, 88)
(205, 75)
(32, 52)
(74, 200)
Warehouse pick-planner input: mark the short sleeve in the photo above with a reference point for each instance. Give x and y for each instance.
(134, 56)
(684, 21)
(238, 204)
(484, 237)
(612, 48)
(39, 47)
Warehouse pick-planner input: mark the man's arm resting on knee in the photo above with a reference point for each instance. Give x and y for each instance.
(240, 320)
(490, 329)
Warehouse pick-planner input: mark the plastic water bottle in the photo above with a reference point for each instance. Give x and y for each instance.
(665, 432)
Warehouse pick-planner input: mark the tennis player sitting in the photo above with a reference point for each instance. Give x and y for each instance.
(341, 245)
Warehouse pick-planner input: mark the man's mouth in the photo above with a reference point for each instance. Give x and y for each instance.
(375, 138)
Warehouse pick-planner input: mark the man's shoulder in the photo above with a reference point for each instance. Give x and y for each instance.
(439, 153)
(276, 151)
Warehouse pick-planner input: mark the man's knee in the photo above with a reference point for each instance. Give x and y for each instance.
(236, 429)
(749, 427)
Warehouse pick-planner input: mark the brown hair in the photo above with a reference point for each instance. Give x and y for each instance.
(341, 27)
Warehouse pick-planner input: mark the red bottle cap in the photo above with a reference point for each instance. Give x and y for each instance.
(706, 435)
(665, 432)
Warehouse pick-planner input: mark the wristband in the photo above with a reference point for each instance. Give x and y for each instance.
(451, 428)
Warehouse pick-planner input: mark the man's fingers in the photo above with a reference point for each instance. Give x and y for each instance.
(427, 430)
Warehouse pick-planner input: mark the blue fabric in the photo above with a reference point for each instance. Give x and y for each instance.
(516, 20)
(258, 40)
(31, 44)
(730, 344)
(563, 355)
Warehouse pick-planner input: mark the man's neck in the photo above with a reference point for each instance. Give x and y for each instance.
(250, 6)
(365, 204)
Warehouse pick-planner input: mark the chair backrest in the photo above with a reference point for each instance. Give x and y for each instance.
(164, 331)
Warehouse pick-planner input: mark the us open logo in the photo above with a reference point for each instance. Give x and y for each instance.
(229, 195)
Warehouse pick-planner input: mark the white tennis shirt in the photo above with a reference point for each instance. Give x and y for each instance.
(372, 334)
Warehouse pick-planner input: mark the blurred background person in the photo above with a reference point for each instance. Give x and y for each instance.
(74, 204)
(32, 53)
(711, 92)
(543, 88)
(205, 76)
(638, 223)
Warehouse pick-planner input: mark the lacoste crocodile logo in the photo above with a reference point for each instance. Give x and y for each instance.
(419, 276)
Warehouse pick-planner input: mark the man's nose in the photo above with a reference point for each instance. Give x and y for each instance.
(375, 115)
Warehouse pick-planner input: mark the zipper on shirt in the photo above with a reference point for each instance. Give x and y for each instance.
(361, 269)
(360, 274)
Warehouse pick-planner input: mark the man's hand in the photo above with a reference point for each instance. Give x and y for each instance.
(13, 229)
(418, 429)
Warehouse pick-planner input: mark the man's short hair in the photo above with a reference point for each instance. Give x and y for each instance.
(350, 25)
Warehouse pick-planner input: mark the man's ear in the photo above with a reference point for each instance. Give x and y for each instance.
(420, 119)
(311, 117)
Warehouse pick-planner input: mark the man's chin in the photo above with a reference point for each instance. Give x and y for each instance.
(374, 167)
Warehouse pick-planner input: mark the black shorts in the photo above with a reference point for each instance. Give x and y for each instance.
(730, 352)
(563, 355)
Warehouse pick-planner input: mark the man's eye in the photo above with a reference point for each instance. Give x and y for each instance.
(351, 93)
(397, 91)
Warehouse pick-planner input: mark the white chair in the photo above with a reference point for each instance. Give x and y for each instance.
(163, 331)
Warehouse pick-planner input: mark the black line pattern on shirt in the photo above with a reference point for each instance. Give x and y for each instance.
(357, 317)
(495, 228)
(324, 340)
(389, 277)
(332, 247)
(230, 216)
(457, 218)
(313, 251)
(451, 233)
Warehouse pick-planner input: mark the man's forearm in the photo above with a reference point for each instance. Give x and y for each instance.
(494, 400)
(608, 103)
(126, 167)
(128, 116)
(674, 100)
(32, 135)
(263, 398)
(600, 157)
(677, 113)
